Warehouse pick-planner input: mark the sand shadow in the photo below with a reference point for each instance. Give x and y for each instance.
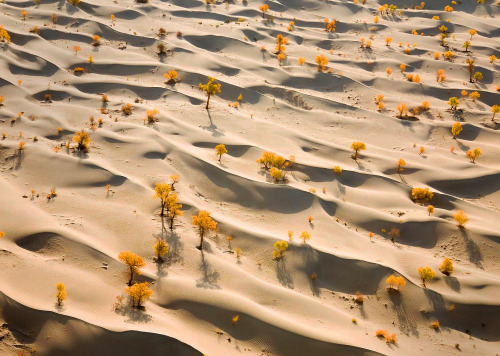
(475, 255)
(284, 277)
(212, 128)
(436, 300)
(134, 315)
(406, 324)
(210, 277)
(453, 283)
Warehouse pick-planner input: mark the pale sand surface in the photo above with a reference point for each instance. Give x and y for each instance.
(75, 238)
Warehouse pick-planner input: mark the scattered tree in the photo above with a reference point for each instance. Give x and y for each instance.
(426, 273)
(61, 293)
(211, 88)
(395, 283)
(162, 191)
(357, 146)
(453, 103)
(173, 208)
(279, 249)
(305, 236)
(205, 224)
(264, 8)
(133, 261)
(456, 128)
(495, 109)
(473, 154)
(430, 209)
(139, 293)
(446, 267)
(401, 164)
(461, 218)
(220, 150)
(161, 248)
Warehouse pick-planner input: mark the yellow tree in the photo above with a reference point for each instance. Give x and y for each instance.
(264, 8)
(211, 88)
(421, 194)
(175, 179)
(322, 62)
(139, 293)
(220, 150)
(357, 146)
(162, 190)
(426, 273)
(473, 154)
(461, 218)
(61, 293)
(401, 164)
(205, 224)
(456, 129)
(161, 249)
(279, 249)
(133, 261)
(281, 41)
(495, 109)
(305, 236)
(453, 103)
(174, 209)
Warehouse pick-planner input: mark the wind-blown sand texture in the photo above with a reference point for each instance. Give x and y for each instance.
(76, 236)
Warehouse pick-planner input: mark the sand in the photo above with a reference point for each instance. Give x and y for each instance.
(304, 303)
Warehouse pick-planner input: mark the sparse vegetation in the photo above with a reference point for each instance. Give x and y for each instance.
(461, 218)
(356, 147)
(139, 293)
(426, 273)
(446, 267)
(133, 262)
(61, 294)
(205, 223)
(211, 88)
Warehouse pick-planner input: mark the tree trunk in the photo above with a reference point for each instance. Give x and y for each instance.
(423, 280)
(172, 222)
(162, 208)
(208, 101)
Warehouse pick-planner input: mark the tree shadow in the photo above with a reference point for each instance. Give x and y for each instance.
(134, 315)
(209, 278)
(212, 128)
(406, 325)
(284, 277)
(453, 283)
(310, 261)
(436, 300)
(475, 255)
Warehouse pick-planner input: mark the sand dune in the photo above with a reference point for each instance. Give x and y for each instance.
(303, 303)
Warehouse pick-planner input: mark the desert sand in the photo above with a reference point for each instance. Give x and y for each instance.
(212, 302)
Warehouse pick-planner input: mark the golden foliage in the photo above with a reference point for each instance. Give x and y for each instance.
(322, 62)
(133, 261)
(447, 266)
(461, 218)
(161, 249)
(61, 293)
(139, 293)
(426, 273)
(395, 282)
(4, 35)
(473, 154)
(422, 194)
(357, 146)
(220, 150)
(204, 223)
(430, 209)
(279, 249)
(82, 138)
(456, 128)
(211, 88)
(305, 236)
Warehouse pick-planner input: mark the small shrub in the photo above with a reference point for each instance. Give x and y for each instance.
(421, 194)
(322, 62)
(61, 293)
(82, 138)
(279, 249)
(337, 170)
(461, 218)
(473, 154)
(435, 325)
(161, 249)
(453, 103)
(446, 267)
(430, 209)
(151, 115)
(127, 109)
